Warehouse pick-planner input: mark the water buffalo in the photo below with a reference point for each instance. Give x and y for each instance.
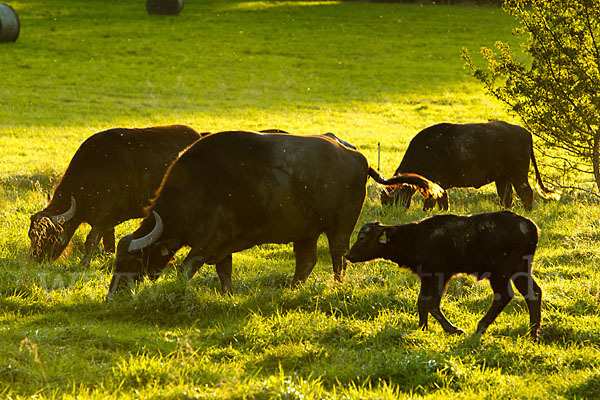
(233, 190)
(110, 179)
(498, 246)
(471, 155)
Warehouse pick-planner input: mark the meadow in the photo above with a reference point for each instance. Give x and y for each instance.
(369, 72)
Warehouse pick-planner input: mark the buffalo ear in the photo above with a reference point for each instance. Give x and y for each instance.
(383, 239)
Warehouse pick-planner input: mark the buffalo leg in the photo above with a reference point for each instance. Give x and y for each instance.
(430, 297)
(505, 193)
(120, 279)
(305, 252)
(339, 243)
(533, 298)
(224, 272)
(429, 204)
(91, 244)
(443, 202)
(404, 196)
(192, 264)
(503, 294)
(524, 192)
(108, 241)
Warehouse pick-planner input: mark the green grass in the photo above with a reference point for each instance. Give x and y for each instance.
(368, 72)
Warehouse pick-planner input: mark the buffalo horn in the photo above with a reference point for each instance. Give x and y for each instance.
(143, 242)
(67, 215)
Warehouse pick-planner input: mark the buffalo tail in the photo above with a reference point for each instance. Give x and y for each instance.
(542, 190)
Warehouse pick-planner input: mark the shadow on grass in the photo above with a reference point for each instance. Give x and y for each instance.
(588, 389)
(174, 301)
(337, 333)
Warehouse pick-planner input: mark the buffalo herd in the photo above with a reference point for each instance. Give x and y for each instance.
(221, 193)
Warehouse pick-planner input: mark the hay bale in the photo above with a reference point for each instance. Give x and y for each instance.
(164, 7)
(9, 24)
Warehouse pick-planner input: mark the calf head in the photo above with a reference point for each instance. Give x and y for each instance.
(143, 256)
(370, 243)
(50, 234)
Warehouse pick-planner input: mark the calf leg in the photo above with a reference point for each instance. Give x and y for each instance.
(423, 305)
(429, 204)
(503, 294)
(404, 196)
(533, 298)
(224, 268)
(430, 297)
(504, 188)
(443, 202)
(306, 257)
(108, 241)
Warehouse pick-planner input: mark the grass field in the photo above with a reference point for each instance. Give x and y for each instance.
(368, 72)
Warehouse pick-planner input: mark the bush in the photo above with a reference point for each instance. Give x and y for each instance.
(444, 2)
(556, 95)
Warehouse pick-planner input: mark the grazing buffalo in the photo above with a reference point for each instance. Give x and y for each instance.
(498, 246)
(471, 155)
(233, 190)
(111, 178)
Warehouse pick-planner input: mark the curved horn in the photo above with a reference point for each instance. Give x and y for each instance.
(67, 215)
(152, 237)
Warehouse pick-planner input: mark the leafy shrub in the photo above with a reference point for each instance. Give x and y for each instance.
(556, 95)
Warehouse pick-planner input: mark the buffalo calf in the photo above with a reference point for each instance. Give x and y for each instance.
(498, 246)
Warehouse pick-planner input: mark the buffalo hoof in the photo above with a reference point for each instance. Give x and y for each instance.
(535, 336)
(456, 331)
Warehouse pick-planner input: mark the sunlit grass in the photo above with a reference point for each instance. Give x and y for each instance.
(260, 5)
(371, 73)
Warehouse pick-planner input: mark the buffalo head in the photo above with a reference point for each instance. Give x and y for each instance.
(402, 195)
(50, 234)
(369, 244)
(143, 256)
